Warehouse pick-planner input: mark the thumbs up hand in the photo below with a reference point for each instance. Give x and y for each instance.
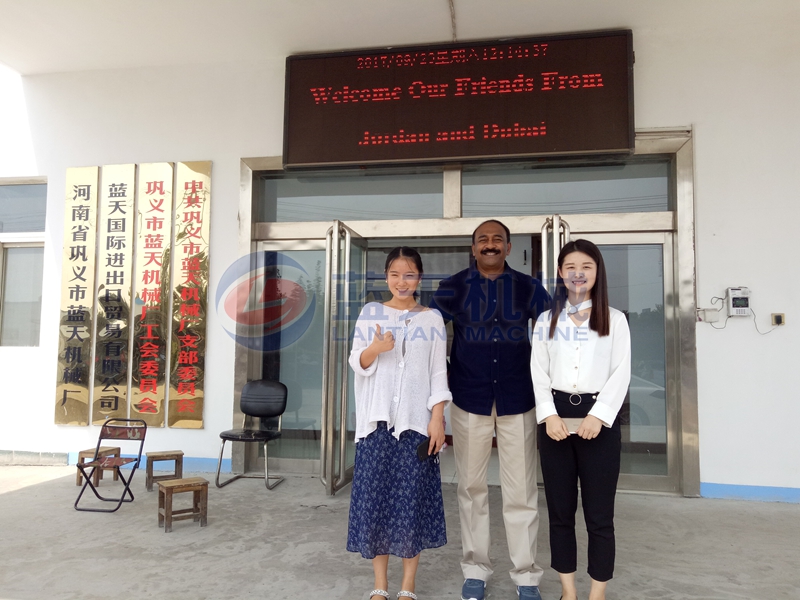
(382, 342)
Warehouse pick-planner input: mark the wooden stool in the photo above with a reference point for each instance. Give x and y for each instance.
(199, 510)
(152, 457)
(88, 455)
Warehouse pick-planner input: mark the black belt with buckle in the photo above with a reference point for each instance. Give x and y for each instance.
(572, 405)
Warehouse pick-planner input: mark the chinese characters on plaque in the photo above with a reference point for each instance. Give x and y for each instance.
(77, 298)
(151, 309)
(114, 268)
(148, 324)
(189, 293)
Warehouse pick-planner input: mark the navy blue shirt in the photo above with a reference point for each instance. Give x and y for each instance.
(491, 353)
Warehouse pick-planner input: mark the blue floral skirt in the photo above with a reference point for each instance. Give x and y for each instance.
(396, 501)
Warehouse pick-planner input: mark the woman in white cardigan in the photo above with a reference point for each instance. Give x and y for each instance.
(399, 358)
(581, 369)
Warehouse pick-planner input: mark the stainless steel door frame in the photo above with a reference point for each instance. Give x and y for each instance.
(674, 144)
(248, 455)
(344, 473)
(334, 472)
(602, 228)
(671, 482)
(463, 227)
(339, 279)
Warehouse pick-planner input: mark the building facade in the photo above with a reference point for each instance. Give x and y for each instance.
(706, 203)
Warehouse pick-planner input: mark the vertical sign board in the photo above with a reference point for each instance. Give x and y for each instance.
(151, 292)
(190, 294)
(77, 298)
(114, 271)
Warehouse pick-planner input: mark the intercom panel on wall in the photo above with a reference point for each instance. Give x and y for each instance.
(738, 302)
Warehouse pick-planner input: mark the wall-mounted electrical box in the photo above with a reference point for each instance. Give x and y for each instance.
(738, 302)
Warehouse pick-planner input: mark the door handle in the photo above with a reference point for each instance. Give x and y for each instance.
(325, 453)
(344, 319)
(560, 231)
(548, 222)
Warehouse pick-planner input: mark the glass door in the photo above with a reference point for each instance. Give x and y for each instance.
(310, 294)
(345, 293)
(286, 306)
(306, 299)
(640, 284)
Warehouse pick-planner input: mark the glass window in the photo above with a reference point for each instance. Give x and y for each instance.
(636, 187)
(349, 198)
(21, 296)
(439, 262)
(22, 207)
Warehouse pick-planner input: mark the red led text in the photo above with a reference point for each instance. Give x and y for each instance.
(346, 95)
(451, 56)
(555, 80)
(401, 137)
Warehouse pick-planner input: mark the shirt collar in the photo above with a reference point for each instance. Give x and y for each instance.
(580, 306)
(507, 271)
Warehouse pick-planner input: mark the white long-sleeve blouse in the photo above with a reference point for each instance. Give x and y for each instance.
(402, 385)
(578, 360)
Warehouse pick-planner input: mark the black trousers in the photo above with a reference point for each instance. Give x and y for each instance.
(595, 463)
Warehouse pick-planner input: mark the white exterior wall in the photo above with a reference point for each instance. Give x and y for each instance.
(730, 70)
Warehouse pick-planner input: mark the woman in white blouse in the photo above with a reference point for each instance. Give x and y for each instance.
(399, 358)
(581, 369)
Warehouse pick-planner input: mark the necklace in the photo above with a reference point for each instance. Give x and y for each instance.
(571, 310)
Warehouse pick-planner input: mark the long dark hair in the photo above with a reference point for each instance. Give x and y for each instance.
(600, 318)
(409, 254)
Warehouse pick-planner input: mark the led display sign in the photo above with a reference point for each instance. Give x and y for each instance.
(553, 95)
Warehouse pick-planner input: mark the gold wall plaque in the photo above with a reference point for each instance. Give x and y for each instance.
(77, 297)
(190, 294)
(151, 292)
(114, 272)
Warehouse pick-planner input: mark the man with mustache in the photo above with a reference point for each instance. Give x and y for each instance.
(490, 305)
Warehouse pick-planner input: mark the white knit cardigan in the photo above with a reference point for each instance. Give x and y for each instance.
(399, 387)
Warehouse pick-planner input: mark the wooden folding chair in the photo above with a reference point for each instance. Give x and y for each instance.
(120, 431)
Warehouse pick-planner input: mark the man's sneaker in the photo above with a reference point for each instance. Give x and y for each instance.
(473, 589)
(528, 592)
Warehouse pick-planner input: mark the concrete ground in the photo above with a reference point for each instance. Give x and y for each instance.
(289, 543)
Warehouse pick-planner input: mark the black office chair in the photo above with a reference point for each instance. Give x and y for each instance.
(264, 399)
